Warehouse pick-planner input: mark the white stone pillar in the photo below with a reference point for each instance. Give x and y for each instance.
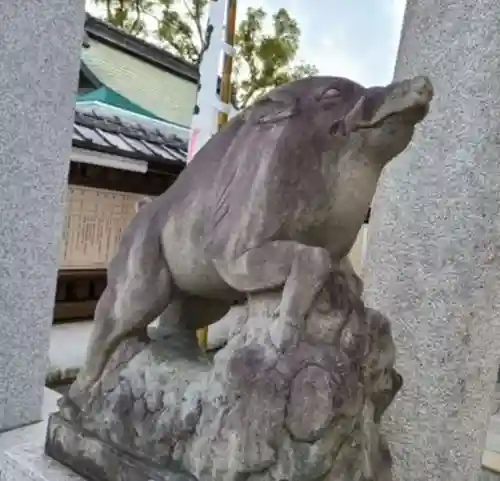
(39, 60)
(434, 244)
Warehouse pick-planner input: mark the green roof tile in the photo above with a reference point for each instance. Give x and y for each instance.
(110, 97)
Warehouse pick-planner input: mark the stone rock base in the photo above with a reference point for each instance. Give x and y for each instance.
(310, 411)
(96, 460)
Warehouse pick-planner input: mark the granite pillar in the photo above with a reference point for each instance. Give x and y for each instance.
(433, 251)
(39, 59)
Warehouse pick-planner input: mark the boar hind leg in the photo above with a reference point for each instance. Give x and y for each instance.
(138, 291)
(301, 270)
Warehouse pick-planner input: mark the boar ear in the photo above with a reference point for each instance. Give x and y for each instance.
(277, 116)
(276, 106)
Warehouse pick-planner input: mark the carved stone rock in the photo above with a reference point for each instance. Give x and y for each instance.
(163, 410)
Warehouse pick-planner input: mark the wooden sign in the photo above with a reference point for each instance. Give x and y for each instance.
(94, 222)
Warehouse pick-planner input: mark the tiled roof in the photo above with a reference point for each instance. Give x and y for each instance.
(127, 138)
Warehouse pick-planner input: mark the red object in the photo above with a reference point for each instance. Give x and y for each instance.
(192, 143)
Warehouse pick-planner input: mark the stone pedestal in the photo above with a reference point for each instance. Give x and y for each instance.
(39, 61)
(433, 263)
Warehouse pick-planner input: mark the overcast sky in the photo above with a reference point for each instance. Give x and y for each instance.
(357, 39)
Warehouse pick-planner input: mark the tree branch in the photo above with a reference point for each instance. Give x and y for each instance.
(248, 96)
(137, 20)
(194, 14)
(108, 9)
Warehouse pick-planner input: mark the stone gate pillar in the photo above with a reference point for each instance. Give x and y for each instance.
(40, 45)
(433, 261)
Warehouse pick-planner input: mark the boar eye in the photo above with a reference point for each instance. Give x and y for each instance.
(329, 93)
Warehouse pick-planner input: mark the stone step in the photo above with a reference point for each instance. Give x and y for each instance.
(491, 456)
(29, 463)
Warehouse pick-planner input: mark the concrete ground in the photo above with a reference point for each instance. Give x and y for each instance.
(68, 346)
